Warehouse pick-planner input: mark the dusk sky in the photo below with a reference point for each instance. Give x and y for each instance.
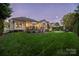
(51, 12)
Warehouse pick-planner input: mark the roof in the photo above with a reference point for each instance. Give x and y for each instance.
(23, 19)
(44, 21)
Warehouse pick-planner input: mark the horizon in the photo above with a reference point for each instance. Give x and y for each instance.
(52, 12)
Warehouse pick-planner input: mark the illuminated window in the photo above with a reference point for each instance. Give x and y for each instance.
(18, 24)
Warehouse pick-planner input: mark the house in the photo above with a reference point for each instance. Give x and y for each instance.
(27, 24)
(46, 25)
(21, 23)
(57, 26)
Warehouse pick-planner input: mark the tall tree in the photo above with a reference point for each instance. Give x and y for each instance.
(5, 12)
(76, 25)
(68, 21)
(77, 9)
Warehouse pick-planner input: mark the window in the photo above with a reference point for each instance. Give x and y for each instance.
(18, 24)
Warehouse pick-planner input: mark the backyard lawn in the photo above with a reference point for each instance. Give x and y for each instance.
(39, 44)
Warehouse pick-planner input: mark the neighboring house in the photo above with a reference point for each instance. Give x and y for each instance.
(57, 26)
(46, 25)
(27, 24)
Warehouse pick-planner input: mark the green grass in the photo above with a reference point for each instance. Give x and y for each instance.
(39, 44)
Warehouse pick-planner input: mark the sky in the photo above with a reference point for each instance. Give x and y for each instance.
(52, 12)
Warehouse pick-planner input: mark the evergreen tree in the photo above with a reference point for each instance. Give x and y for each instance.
(5, 12)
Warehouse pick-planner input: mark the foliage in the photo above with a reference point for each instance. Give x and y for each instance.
(60, 28)
(6, 24)
(69, 20)
(1, 27)
(76, 25)
(5, 12)
(76, 28)
(77, 9)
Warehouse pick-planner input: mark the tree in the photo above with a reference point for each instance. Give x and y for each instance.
(77, 9)
(69, 20)
(76, 24)
(76, 27)
(5, 12)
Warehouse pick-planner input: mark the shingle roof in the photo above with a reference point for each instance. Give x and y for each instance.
(44, 21)
(23, 19)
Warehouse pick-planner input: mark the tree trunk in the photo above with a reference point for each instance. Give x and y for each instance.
(1, 26)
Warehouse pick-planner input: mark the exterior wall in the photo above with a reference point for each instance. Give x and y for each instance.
(14, 25)
(6, 26)
(42, 27)
(11, 22)
(19, 25)
(27, 25)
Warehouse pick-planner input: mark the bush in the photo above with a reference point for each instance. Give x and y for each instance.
(58, 28)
